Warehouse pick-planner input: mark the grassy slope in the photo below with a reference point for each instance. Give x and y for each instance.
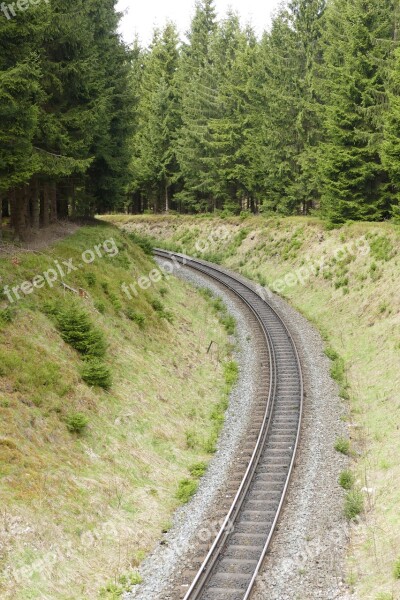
(79, 511)
(355, 302)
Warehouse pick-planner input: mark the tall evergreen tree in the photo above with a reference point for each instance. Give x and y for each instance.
(391, 144)
(198, 90)
(357, 45)
(154, 164)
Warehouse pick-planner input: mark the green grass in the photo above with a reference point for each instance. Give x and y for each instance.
(354, 504)
(186, 489)
(346, 480)
(396, 569)
(342, 445)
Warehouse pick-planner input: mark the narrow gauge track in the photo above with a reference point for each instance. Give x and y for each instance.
(234, 561)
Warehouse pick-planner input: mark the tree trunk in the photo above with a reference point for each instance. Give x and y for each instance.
(19, 212)
(4, 206)
(35, 204)
(166, 197)
(12, 201)
(45, 205)
(62, 200)
(53, 201)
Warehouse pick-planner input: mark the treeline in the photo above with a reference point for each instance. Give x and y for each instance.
(306, 118)
(66, 105)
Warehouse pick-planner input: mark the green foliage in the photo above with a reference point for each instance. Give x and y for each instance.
(186, 489)
(96, 373)
(346, 480)
(381, 248)
(91, 279)
(161, 310)
(143, 242)
(354, 504)
(116, 589)
(338, 371)
(77, 330)
(342, 445)
(77, 422)
(137, 318)
(7, 316)
(231, 372)
(198, 469)
(228, 321)
(396, 569)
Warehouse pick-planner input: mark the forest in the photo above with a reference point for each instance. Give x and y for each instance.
(304, 120)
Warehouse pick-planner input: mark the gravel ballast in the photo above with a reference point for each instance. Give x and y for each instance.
(306, 560)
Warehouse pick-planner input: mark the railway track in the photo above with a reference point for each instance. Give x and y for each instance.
(230, 569)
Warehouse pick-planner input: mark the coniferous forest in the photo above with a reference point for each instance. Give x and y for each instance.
(305, 119)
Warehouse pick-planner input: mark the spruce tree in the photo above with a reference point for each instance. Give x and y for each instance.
(355, 183)
(154, 164)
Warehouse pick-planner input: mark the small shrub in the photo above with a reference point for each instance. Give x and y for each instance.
(186, 489)
(206, 293)
(77, 422)
(160, 309)
(191, 440)
(97, 374)
(77, 330)
(342, 445)
(354, 504)
(163, 291)
(210, 444)
(115, 590)
(231, 372)
(101, 307)
(332, 354)
(144, 243)
(137, 318)
(396, 569)
(218, 305)
(90, 279)
(381, 248)
(198, 469)
(6, 316)
(346, 480)
(229, 323)
(115, 301)
(157, 305)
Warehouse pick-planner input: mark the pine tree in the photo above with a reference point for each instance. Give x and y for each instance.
(197, 91)
(357, 46)
(391, 145)
(154, 164)
(289, 130)
(20, 97)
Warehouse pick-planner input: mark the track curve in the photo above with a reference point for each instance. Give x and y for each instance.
(233, 563)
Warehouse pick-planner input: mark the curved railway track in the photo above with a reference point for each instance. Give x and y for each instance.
(235, 558)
